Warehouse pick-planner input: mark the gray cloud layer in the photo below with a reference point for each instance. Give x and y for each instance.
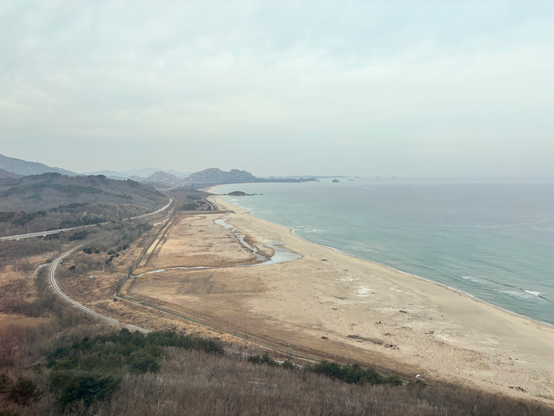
(361, 88)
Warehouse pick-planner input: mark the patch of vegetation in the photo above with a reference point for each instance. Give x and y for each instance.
(38, 188)
(22, 218)
(23, 392)
(353, 374)
(263, 359)
(68, 208)
(7, 216)
(79, 235)
(82, 386)
(92, 369)
(86, 220)
(188, 207)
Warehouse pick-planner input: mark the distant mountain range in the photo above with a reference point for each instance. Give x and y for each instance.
(214, 175)
(139, 173)
(22, 167)
(13, 168)
(5, 174)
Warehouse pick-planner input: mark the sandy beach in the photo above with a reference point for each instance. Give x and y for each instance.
(351, 308)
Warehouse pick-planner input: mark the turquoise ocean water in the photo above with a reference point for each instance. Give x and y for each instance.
(494, 241)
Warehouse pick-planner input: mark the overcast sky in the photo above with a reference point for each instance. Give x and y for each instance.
(406, 89)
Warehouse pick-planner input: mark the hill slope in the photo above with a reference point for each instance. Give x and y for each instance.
(5, 174)
(22, 167)
(51, 190)
(214, 175)
(161, 176)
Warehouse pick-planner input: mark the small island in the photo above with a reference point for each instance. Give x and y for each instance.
(239, 193)
(336, 181)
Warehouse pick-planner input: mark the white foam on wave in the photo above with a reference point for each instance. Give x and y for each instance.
(533, 293)
(515, 294)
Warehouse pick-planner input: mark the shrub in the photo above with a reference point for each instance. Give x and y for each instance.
(353, 374)
(143, 363)
(188, 207)
(79, 235)
(264, 359)
(5, 383)
(82, 387)
(6, 411)
(23, 392)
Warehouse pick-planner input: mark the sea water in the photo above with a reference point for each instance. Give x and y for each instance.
(491, 240)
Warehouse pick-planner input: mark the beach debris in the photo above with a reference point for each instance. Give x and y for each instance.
(335, 309)
(401, 311)
(430, 332)
(521, 389)
(323, 259)
(378, 323)
(324, 338)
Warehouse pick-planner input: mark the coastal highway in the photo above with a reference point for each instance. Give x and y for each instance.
(50, 232)
(56, 288)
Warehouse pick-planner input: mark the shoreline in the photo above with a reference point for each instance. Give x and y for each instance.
(335, 294)
(548, 325)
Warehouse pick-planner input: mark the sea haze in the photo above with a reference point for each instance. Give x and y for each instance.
(494, 241)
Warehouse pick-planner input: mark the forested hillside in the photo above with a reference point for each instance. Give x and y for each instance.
(49, 201)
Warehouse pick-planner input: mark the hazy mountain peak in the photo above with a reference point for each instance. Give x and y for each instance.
(22, 167)
(162, 176)
(214, 175)
(5, 174)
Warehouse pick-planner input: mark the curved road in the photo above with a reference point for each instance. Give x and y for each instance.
(56, 262)
(56, 288)
(45, 233)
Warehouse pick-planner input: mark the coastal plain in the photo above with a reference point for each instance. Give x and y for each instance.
(328, 304)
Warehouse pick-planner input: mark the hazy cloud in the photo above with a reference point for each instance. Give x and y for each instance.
(356, 87)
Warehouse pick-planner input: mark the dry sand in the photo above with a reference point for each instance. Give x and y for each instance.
(403, 323)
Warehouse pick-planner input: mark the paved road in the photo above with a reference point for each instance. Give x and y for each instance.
(54, 284)
(45, 233)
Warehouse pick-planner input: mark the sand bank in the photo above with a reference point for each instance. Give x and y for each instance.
(361, 310)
